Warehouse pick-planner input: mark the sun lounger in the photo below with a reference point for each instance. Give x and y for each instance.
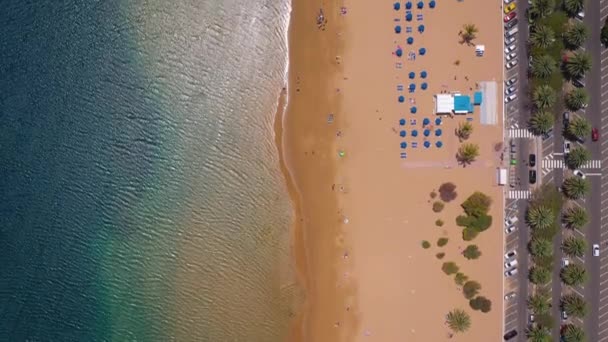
(408, 29)
(412, 121)
(403, 155)
(414, 144)
(398, 65)
(419, 17)
(399, 87)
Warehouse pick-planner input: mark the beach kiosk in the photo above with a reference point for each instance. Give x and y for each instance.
(502, 176)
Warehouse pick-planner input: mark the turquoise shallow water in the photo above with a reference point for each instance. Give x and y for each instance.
(141, 194)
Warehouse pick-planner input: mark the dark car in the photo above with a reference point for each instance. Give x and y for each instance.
(595, 134)
(566, 119)
(532, 160)
(532, 176)
(511, 24)
(510, 335)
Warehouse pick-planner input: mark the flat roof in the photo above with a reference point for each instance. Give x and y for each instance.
(444, 103)
(462, 104)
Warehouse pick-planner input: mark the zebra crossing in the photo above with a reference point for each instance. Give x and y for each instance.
(560, 164)
(520, 133)
(519, 194)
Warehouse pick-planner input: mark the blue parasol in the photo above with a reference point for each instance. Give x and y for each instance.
(426, 132)
(426, 121)
(412, 86)
(413, 110)
(408, 5)
(410, 40)
(399, 52)
(402, 133)
(402, 122)
(438, 132)
(397, 29)
(438, 121)
(423, 86)
(414, 133)
(420, 28)
(403, 144)
(408, 17)
(401, 98)
(420, 4)
(396, 6)
(412, 75)
(439, 144)
(421, 51)
(423, 74)
(432, 4)
(427, 144)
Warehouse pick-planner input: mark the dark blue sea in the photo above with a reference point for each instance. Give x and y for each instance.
(141, 196)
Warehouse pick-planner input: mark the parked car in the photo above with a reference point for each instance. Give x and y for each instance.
(595, 134)
(511, 272)
(509, 17)
(580, 173)
(566, 116)
(511, 64)
(567, 146)
(510, 335)
(531, 318)
(532, 160)
(510, 98)
(508, 1)
(564, 315)
(511, 220)
(511, 56)
(510, 40)
(510, 90)
(510, 295)
(511, 254)
(510, 229)
(580, 15)
(565, 262)
(510, 48)
(511, 23)
(596, 249)
(532, 176)
(511, 264)
(511, 81)
(510, 8)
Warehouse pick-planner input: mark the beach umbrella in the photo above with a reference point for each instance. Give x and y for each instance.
(438, 132)
(399, 52)
(421, 51)
(396, 6)
(439, 144)
(427, 144)
(423, 86)
(403, 144)
(410, 40)
(402, 134)
(408, 5)
(438, 121)
(413, 110)
(408, 17)
(426, 121)
(341, 153)
(412, 86)
(423, 74)
(397, 29)
(420, 28)
(401, 98)
(414, 133)
(426, 132)
(420, 4)
(402, 122)
(432, 4)
(412, 74)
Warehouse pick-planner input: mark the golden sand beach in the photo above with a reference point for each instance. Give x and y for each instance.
(362, 210)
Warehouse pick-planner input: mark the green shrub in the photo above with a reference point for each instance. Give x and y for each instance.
(469, 234)
(464, 221)
(471, 252)
(447, 192)
(477, 204)
(442, 242)
(449, 268)
(460, 278)
(438, 206)
(426, 244)
(481, 222)
(481, 303)
(433, 194)
(440, 255)
(471, 289)
(439, 223)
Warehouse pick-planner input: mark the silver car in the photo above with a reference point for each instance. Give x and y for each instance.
(511, 56)
(511, 64)
(510, 90)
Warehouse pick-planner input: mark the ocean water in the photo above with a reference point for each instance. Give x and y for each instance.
(141, 192)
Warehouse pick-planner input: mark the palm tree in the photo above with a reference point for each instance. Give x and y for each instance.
(540, 217)
(572, 333)
(574, 275)
(573, 6)
(539, 275)
(539, 302)
(467, 153)
(543, 66)
(576, 35)
(577, 99)
(544, 97)
(540, 247)
(578, 64)
(575, 187)
(541, 123)
(577, 157)
(542, 37)
(574, 246)
(538, 333)
(574, 305)
(458, 320)
(541, 8)
(579, 127)
(576, 217)
(464, 130)
(468, 33)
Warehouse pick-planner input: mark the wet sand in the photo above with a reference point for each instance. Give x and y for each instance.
(364, 215)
